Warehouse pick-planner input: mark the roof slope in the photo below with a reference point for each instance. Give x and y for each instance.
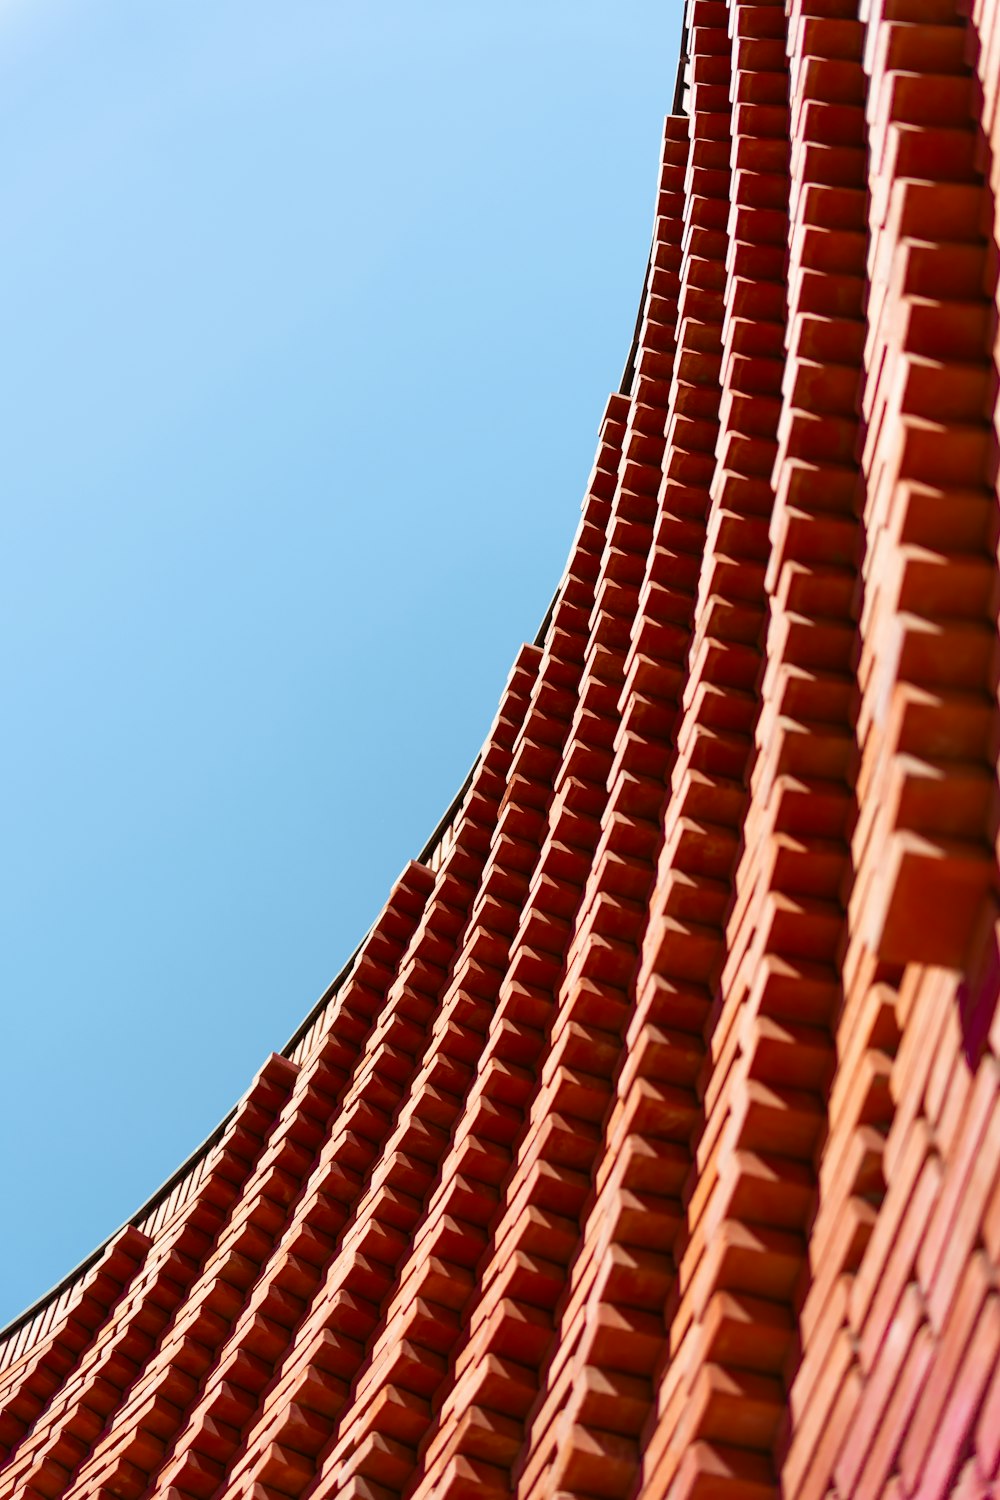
(649, 1143)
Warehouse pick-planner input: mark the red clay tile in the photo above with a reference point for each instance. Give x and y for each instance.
(648, 1147)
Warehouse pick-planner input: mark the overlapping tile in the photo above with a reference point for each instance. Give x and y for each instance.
(650, 1144)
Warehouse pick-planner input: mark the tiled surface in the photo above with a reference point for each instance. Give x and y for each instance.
(652, 1144)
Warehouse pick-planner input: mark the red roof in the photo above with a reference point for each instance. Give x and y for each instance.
(649, 1144)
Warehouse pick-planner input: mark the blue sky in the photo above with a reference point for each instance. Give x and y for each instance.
(308, 317)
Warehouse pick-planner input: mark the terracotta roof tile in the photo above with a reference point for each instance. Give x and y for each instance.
(649, 1143)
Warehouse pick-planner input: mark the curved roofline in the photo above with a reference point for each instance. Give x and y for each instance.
(424, 857)
(188, 1165)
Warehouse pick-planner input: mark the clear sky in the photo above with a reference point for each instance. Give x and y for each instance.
(308, 315)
